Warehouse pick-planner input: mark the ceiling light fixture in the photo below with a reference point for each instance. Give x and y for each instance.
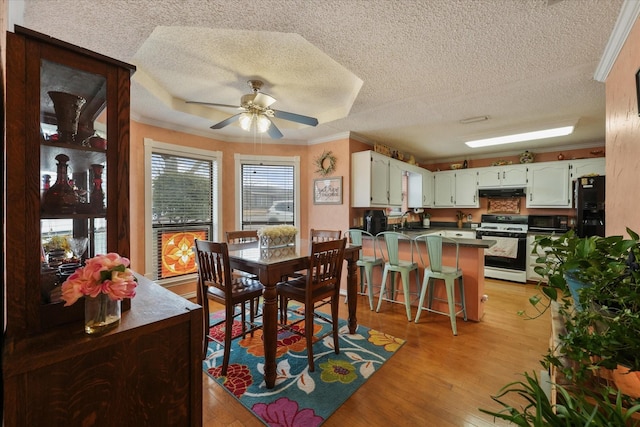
(251, 121)
(519, 137)
(476, 119)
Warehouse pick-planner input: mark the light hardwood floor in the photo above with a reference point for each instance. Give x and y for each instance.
(435, 379)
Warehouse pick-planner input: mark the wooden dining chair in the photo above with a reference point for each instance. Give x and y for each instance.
(238, 237)
(314, 236)
(215, 282)
(320, 286)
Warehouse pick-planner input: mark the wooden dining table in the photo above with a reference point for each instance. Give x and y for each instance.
(270, 265)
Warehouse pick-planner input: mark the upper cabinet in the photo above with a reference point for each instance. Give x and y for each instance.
(549, 185)
(67, 172)
(444, 189)
(466, 195)
(502, 176)
(582, 167)
(376, 180)
(458, 188)
(420, 187)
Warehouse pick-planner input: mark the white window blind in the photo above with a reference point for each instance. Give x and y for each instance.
(268, 195)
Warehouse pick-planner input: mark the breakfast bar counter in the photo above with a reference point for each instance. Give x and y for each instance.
(471, 261)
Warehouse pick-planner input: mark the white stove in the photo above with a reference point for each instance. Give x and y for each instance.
(507, 259)
(503, 224)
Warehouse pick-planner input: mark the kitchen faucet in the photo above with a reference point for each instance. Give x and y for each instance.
(403, 220)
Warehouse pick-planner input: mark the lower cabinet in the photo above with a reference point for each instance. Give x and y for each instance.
(531, 262)
(147, 372)
(453, 234)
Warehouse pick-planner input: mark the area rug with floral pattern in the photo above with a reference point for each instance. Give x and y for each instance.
(300, 397)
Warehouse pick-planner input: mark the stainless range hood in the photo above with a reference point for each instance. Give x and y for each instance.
(501, 192)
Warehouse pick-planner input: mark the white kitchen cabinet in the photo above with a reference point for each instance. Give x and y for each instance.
(374, 182)
(396, 169)
(513, 176)
(548, 185)
(444, 188)
(460, 234)
(582, 167)
(531, 261)
(455, 234)
(457, 188)
(466, 188)
(420, 187)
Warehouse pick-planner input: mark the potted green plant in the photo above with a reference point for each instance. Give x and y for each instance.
(605, 333)
(601, 407)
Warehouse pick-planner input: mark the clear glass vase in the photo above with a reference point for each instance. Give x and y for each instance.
(101, 314)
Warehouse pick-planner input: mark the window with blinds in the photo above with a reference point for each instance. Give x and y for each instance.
(183, 199)
(268, 195)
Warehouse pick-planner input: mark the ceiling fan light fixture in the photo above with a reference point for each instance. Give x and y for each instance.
(519, 137)
(250, 121)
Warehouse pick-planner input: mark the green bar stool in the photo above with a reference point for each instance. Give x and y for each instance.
(393, 265)
(432, 246)
(366, 262)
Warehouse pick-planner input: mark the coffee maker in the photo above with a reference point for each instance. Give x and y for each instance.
(375, 221)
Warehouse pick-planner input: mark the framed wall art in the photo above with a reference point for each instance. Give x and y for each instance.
(327, 191)
(638, 90)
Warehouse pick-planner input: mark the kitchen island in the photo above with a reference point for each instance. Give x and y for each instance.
(471, 261)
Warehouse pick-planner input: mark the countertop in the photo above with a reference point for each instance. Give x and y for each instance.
(475, 243)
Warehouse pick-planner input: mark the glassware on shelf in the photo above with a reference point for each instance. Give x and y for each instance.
(46, 184)
(60, 198)
(78, 246)
(97, 194)
(67, 107)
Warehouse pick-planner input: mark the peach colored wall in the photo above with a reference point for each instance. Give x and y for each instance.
(331, 217)
(622, 135)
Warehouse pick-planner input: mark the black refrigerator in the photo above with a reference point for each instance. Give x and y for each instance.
(589, 197)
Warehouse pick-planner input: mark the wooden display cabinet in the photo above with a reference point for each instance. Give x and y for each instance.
(149, 367)
(37, 133)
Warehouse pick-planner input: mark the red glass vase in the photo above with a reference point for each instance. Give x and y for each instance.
(60, 197)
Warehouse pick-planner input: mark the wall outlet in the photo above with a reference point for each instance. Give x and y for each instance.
(474, 226)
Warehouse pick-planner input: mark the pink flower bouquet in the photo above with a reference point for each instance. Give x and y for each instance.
(108, 274)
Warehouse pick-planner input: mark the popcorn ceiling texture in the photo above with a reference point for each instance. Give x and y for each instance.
(402, 73)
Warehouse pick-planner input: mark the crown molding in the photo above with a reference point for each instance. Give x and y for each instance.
(626, 19)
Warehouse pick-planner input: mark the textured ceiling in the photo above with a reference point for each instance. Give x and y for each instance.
(402, 73)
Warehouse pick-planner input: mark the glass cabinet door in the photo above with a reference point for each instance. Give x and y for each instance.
(73, 144)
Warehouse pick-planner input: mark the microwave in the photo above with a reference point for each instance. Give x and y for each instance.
(549, 223)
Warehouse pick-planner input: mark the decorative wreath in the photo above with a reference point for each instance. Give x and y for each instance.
(326, 163)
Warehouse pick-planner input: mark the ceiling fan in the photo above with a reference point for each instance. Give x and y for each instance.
(257, 112)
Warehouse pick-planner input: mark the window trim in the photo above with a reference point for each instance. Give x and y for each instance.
(151, 146)
(294, 161)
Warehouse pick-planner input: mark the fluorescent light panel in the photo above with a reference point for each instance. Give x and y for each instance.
(519, 137)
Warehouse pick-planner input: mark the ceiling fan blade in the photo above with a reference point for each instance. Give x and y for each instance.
(226, 122)
(273, 130)
(212, 104)
(263, 100)
(298, 118)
